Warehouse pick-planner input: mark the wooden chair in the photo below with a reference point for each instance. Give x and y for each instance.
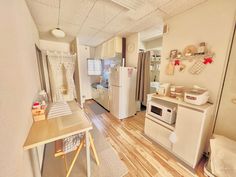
(59, 152)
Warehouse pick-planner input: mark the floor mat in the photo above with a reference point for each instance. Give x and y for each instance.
(110, 163)
(97, 109)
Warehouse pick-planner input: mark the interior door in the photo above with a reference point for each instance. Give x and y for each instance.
(226, 117)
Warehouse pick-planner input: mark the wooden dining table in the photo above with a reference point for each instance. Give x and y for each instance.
(50, 130)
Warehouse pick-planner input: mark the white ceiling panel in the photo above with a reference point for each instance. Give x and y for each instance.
(49, 3)
(74, 12)
(151, 33)
(158, 3)
(121, 22)
(95, 21)
(141, 12)
(39, 11)
(85, 35)
(175, 7)
(99, 38)
(102, 13)
(148, 21)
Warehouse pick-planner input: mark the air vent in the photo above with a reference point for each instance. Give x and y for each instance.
(129, 4)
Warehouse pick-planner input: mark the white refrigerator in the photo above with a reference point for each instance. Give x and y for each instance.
(122, 87)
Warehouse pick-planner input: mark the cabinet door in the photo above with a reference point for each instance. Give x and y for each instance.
(102, 97)
(105, 50)
(94, 93)
(188, 129)
(118, 45)
(111, 48)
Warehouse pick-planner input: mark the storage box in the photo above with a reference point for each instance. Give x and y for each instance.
(39, 113)
(39, 117)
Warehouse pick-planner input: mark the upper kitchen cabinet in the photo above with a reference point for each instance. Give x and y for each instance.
(111, 47)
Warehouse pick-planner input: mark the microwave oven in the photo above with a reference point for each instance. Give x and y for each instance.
(162, 110)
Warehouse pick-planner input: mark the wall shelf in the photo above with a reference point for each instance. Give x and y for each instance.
(193, 57)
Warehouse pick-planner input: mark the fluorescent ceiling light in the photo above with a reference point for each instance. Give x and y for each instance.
(57, 32)
(129, 4)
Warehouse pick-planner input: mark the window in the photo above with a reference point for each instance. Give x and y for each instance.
(94, 67)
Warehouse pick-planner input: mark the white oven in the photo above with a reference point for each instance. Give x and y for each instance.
(162, 110)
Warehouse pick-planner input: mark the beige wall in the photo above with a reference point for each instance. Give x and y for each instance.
(19, 85)
(211, 22)
(153, 44)
(132, 56)
(55, 46)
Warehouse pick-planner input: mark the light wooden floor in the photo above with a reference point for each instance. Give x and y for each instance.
(142, 156)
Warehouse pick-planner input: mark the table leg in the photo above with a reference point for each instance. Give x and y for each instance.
(88, 153)
(35, 162)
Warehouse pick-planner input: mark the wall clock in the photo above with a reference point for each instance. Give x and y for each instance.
(131, 47)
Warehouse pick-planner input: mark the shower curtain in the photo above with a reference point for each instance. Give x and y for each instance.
(143, 77)
(61, 71)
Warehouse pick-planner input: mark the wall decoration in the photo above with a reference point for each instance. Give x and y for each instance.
(131, 47)
(200, 65)
(179, 66)
(201, 55)
(189, 50)
(202, 49)
(173, 54)
(179, 55)
(197, 67)
(170, 68)
(182, 67)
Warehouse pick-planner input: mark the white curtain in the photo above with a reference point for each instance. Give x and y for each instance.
(61, 71)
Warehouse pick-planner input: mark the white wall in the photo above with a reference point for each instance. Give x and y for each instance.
(132, 56)
(211, 22)
(55, 46)
(83, 54)
(19, 86)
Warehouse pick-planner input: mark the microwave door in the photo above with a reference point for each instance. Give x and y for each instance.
(156, 111)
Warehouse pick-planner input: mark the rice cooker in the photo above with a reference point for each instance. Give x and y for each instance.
(196, 96)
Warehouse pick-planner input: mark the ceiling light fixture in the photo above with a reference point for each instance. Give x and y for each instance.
(58, 32)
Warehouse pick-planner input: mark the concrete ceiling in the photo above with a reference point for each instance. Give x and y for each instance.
(95, 21)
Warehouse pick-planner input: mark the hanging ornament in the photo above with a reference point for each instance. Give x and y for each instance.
(200, 65)
(179, 66)
(177, 62)
(208, 60)
(170, 68)
(197, 67)
(182, 67)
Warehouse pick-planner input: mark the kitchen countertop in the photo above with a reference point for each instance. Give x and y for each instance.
(181, 102)
(96, 84)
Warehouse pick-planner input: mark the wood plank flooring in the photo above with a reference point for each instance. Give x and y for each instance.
(142, 156)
